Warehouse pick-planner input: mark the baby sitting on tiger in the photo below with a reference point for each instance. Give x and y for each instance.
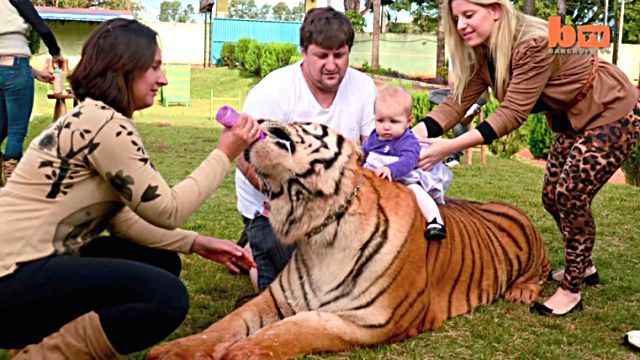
(392, 151)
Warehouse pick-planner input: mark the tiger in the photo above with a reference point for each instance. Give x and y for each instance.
(363, 274)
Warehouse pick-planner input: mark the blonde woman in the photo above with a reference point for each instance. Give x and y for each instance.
(588, 103)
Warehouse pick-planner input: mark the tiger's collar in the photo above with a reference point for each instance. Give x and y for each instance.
(342, 209)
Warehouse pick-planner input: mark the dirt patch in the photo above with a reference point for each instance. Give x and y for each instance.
(526, 156)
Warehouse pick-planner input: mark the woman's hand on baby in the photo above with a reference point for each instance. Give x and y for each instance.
(437, 151)
(236, 139)
(224, 252)
(384, 172)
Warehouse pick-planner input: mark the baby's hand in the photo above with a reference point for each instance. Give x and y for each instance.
(384, 172)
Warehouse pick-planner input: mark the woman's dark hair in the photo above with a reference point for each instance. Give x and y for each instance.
(326, 28)
(116, 52)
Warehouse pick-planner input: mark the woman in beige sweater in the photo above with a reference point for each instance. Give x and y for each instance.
(588, 103)
(89, 172)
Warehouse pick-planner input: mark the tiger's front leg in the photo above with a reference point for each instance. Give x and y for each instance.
(304, 333)
(239, 324)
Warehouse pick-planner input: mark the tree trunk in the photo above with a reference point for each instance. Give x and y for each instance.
(375, 51)
(614, 35)
(562, 10)
(384, 20)
(529, 7)
(440, 45)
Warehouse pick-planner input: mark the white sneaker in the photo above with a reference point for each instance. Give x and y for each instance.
(452, 163)
(633, 339)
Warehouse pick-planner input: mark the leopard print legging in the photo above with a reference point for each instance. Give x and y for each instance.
(579, 164)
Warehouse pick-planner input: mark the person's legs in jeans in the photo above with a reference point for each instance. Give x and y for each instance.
(138, 304)
(16, 98)
(269, 254)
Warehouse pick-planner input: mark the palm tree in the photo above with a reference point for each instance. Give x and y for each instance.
(375, 51)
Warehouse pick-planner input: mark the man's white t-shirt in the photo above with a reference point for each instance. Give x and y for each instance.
(284, 95)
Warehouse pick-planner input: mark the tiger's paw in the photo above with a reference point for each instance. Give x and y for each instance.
(243, 350)
(191, 348)
(523, 293)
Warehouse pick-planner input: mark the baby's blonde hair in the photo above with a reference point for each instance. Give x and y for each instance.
(397, 94)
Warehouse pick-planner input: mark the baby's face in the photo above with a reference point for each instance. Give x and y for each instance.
(391, 120)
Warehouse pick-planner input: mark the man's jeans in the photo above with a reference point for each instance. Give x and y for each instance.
(269, 254)
(16, 103)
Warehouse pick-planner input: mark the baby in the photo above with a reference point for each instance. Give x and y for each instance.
(393, 152)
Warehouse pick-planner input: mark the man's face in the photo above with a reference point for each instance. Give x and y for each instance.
(325, 68)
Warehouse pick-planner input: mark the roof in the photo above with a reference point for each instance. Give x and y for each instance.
(94, 15)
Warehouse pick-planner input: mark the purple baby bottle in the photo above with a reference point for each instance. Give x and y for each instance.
(227, 116)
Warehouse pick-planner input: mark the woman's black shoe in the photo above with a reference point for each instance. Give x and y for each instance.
(543, 310)
(591, 280)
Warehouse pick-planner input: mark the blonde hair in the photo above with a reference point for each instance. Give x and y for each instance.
(399, 95)
(509, 30)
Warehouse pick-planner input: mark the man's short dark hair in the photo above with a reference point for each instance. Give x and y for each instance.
(326, 28)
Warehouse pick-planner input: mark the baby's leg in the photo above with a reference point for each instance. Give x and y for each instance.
(435, 226)
(426, 203)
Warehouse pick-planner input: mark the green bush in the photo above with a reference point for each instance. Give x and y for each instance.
(228, 54)
(356, 19)
(508, 145)
(421, 106)
(275, 55)
(252, 57)
(540, 136)
(294, 59)
(242, 46)
(631, 167)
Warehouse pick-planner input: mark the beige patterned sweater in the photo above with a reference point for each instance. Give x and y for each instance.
(87, 172)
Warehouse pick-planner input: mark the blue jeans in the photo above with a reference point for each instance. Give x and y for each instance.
(270, 255)
(16, 103)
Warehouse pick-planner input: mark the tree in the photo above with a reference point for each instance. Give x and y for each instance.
(172, 11)
(440, 45)
(281, 11)
(247, 9)
(375, 51)
(135, 5)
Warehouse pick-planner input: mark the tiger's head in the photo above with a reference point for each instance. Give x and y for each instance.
(303, 165)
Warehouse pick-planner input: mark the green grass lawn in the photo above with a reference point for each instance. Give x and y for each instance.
(498, 331)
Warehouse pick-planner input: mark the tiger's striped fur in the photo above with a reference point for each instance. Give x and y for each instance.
(368, 277)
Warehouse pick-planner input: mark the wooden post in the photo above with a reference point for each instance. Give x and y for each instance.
(483, 148)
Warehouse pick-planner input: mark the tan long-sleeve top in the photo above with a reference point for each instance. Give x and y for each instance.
(87, 172)
(552, 80)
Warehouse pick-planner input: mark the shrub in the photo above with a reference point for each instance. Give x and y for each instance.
(421, 106)
(540, 136)
(242, 46)
(294, 59)
(275, 55)
(508, 145)
(228, 54)
(356, 19)
(252, 58)
(631, 167)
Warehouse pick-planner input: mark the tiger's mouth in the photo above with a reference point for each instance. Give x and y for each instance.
(276, 134)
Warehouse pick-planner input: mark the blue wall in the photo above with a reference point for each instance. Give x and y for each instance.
(264, 31)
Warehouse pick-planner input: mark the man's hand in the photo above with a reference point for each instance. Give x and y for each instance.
(224, 252)
(384, 172)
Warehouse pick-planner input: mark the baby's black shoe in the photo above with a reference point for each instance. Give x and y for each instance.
(435, 231)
